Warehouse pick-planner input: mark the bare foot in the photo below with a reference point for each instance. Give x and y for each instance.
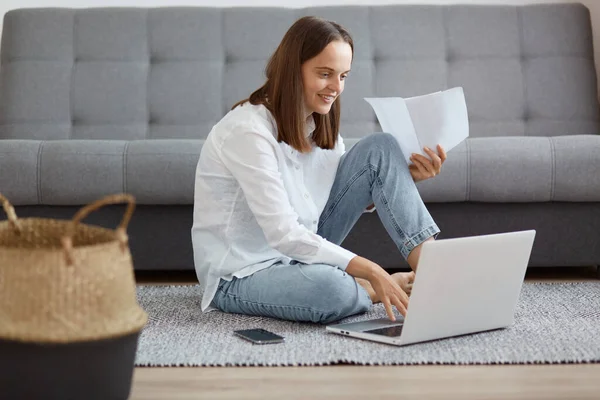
(405, 280)
(367, 285)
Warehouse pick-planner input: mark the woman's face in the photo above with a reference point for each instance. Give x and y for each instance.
(323, 76)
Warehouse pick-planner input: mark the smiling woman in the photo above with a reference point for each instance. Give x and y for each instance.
(323, 77)
(312, 60)
(276, 193)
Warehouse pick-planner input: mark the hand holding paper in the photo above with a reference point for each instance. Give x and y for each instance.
(424, 121)
(427, 167)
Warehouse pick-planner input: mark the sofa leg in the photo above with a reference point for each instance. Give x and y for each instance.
(597, 271)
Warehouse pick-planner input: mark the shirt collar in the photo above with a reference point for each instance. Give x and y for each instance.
(310, 125)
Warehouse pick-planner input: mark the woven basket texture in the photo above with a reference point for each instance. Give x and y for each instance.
(63, 281)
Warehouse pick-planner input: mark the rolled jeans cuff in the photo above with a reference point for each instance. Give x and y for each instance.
(419, 238)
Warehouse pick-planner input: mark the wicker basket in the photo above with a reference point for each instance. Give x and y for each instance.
(63, 281)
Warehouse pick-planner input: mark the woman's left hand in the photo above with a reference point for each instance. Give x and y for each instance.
(424, 168)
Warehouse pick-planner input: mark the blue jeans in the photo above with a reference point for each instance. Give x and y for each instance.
(373, 171)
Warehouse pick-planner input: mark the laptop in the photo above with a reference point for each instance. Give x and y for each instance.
(462, 286)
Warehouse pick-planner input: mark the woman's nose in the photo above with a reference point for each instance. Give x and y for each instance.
(336, 85)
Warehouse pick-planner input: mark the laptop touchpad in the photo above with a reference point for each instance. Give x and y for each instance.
(390, 331)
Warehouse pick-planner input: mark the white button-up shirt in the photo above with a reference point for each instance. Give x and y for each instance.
(258, 201)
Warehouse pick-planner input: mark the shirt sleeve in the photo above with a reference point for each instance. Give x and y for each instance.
(251, 159)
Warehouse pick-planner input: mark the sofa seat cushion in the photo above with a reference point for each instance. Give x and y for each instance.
(75, 172)
(496, 169)
(519, 169)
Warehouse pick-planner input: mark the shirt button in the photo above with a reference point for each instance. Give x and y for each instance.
(297, 167)
(306, 195)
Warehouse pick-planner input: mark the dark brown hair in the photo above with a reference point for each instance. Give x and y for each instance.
(282, 92)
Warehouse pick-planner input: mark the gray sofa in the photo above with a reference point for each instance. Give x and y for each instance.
(98, 101)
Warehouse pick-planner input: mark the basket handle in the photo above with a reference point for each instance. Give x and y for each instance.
(10, 212)
(120, 231)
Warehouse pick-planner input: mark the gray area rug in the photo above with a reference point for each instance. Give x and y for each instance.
(554, 323)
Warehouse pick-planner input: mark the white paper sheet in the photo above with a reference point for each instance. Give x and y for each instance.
(428, 120)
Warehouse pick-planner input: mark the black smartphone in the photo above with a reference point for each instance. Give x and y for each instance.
(259, 336)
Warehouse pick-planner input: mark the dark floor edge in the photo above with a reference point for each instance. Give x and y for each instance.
(354, 363)
(526, 283)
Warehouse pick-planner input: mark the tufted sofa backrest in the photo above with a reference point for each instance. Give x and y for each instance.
(173, 72)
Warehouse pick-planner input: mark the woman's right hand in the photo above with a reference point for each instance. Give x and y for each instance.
(386, 289)
(389, 293)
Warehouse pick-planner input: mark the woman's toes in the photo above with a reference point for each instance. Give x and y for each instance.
(404, 280)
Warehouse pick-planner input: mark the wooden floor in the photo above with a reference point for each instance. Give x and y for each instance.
(579, 381)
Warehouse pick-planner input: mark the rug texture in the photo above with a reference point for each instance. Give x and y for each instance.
(554, 323)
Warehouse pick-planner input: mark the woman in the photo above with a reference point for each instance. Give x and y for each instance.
(276, 194)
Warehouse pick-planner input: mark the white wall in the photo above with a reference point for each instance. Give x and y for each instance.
(5, 5)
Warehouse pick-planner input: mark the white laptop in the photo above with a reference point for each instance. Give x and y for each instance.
(463, 285)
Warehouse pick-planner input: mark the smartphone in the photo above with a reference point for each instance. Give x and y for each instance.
(259, 336)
